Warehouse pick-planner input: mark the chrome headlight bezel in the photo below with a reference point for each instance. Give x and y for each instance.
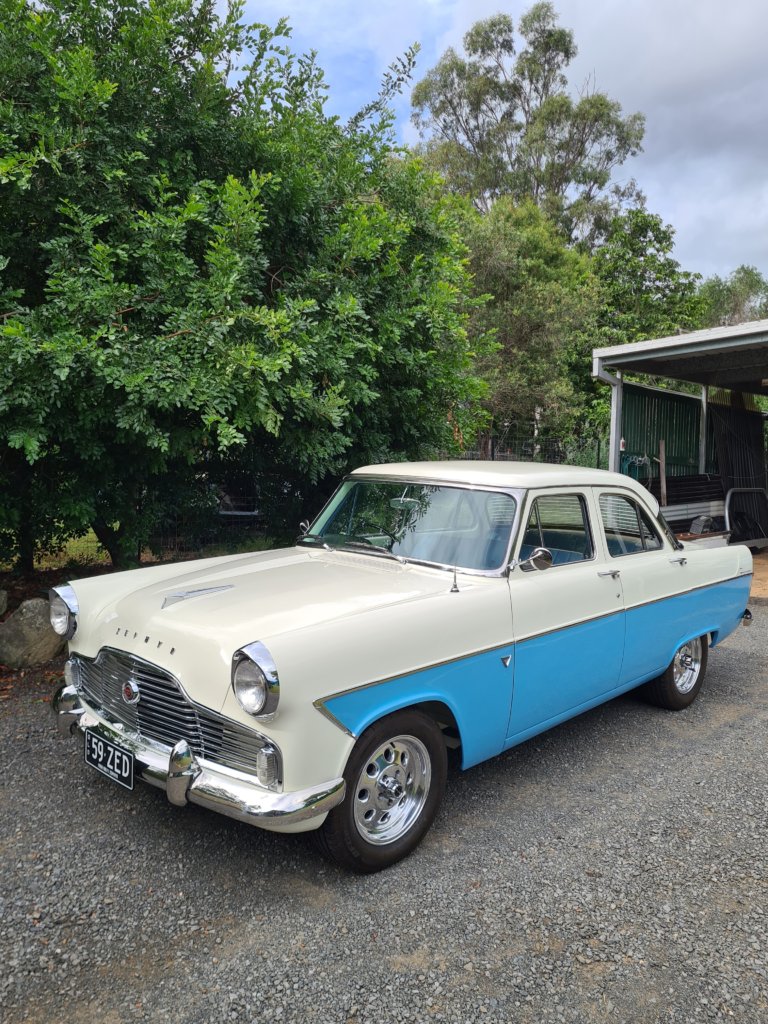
(63, 609)
(254, 675)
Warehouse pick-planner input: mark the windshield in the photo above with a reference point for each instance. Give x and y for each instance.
(452, 526)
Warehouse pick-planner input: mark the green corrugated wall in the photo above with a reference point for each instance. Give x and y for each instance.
(649, 415)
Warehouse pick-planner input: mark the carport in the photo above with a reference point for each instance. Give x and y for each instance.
(701, 453)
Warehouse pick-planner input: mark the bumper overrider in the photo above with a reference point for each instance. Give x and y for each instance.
(185, 779)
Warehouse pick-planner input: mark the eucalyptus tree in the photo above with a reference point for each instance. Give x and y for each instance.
(499, 120)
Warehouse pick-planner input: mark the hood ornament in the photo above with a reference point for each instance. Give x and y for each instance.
(185, 595)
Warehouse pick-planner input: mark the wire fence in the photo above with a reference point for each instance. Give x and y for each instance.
(573, 451)
(237, 525)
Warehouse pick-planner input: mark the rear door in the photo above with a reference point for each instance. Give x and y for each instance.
(568, 620)
(669, 597)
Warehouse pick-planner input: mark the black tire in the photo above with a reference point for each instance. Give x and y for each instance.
(677, 687)
(395, 782)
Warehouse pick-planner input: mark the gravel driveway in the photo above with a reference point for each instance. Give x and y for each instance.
(613, 869)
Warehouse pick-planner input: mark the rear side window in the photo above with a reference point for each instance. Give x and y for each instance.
(558, 522)
(628, 529)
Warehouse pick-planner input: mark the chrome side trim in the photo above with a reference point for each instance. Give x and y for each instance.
(186, 780)
(319, 704)
(688, 590)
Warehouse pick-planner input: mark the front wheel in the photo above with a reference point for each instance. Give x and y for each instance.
(395, 781)
(676, 688)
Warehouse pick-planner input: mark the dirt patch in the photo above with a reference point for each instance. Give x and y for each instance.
(760, 578)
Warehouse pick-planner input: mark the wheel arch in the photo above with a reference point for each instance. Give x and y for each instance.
(438, 708)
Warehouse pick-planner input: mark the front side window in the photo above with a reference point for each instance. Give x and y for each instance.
(559, 523)
(451, 526)
(628, 529)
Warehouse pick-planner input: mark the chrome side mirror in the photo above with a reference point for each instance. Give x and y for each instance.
(541, 558)
(304, 527)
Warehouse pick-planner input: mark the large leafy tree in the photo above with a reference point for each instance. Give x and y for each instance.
(646, 292)
(500, 120)
(196, 260)
(741, 296)
(544, 307)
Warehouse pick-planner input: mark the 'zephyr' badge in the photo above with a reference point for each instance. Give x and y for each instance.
(131, 692)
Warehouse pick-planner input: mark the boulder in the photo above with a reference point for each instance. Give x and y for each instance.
(26, 637)
(3, 601)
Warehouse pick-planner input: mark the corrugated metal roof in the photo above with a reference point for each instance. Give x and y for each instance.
(728, 357)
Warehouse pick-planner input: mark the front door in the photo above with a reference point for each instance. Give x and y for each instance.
(568, 620)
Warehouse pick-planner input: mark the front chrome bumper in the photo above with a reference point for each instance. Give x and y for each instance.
(187, 780)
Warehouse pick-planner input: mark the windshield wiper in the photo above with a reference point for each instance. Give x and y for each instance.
(374, 549)
(315, 538)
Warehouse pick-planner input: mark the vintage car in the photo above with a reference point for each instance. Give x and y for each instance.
(430, 606)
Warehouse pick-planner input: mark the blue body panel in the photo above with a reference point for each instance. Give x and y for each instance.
(557, 673)
(478, 689)
(655, 631)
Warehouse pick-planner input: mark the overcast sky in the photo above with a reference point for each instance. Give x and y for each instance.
(696, 68)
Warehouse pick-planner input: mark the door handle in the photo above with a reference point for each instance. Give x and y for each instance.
(613, 573)
(681, 560)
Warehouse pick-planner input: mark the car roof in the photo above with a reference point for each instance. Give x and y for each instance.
(506, 474)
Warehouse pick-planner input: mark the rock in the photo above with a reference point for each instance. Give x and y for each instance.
(26, 637)
(3, 601)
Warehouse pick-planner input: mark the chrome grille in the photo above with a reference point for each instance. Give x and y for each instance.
(164, 713)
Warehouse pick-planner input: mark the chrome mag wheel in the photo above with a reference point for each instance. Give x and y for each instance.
(687, 666)
(392, 789)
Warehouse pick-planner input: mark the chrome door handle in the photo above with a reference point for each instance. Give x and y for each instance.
(613, 573)
(681, 560)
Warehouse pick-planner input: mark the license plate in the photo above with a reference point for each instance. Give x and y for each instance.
(110, 760)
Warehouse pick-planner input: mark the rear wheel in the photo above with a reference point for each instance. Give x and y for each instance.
(680, 683)
(395, 781)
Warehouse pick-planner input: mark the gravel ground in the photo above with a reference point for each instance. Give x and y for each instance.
(613, 869)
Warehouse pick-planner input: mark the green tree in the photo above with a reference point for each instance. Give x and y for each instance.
(196, 261)
(741, 296)
(646, 293)
(543, 306)
(502, 122)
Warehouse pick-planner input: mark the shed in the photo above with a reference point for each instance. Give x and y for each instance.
(702, 453)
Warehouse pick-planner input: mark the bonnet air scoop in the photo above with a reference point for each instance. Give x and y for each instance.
(185, 595)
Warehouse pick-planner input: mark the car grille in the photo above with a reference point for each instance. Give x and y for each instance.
(164, 713)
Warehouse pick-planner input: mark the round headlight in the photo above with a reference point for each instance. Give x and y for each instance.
(62, 605)
(250, 686)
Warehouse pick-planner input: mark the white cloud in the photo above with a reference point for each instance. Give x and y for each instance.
(695, 68)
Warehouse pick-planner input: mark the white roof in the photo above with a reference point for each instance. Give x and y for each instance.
(504, 474)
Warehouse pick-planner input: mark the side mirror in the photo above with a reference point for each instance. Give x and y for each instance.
(304, 527)
(540, 559)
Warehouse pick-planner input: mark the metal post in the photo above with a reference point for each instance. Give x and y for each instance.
(703, 430)
(617, 402)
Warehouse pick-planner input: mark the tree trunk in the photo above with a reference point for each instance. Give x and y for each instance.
(25, 562)
(115, 543)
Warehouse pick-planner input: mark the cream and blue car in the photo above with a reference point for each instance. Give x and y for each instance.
(430, 606)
